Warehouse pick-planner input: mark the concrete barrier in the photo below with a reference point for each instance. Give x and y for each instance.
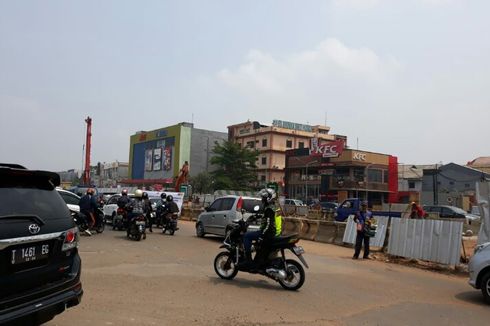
(327, 231)
(291, 225)
(309, 229)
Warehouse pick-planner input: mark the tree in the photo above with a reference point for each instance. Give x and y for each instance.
(236, 166)
(202, 183)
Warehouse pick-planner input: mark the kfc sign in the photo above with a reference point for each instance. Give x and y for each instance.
(331, 149)
(356, 156)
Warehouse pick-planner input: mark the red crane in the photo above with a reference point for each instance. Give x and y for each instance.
(86, 171)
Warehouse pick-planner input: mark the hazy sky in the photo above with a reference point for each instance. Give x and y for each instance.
(408, 77)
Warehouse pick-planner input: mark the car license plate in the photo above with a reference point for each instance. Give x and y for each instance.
(29, 254)
(298, 250)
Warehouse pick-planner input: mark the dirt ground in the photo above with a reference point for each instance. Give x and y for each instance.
(169, 280)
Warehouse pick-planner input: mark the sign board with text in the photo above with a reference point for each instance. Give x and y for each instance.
(330, 149)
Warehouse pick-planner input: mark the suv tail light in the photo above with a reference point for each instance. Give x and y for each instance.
(239, 205)
(71, 239)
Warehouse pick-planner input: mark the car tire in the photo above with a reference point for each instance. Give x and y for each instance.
(485, 287)
(200, 230)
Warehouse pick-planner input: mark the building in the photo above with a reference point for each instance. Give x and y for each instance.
(451, 184)
(156, 156)
(410, 182)
(273, 141)
(110, 174)
(480, 163)
(333, 172)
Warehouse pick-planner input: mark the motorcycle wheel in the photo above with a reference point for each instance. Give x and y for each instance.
(171, 231)
(224, 266)
(138, 237)
(295, 276)
(100, 228)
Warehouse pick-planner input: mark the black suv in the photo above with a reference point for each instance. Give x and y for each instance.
(39, 262)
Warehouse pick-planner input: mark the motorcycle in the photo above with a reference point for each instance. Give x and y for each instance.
(170, 223)
(270, 259)
(137, 228)
(119, 220)
(81, 219)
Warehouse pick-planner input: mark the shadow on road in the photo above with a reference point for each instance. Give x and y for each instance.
(474, 297)
(243, 283)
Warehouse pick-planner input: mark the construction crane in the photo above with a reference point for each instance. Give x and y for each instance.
(86, 171)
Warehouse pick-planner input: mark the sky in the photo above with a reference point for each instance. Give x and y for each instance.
(408, 78)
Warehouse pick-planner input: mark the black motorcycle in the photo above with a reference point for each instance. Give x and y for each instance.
(119, 220)
(81, 220)
(137, 228)
(270, 259)
(170, 223)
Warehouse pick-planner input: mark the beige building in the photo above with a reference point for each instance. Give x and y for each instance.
(480, 163)
(273, 141)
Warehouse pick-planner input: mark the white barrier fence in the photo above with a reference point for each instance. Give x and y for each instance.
(432, 240)
(377, 241)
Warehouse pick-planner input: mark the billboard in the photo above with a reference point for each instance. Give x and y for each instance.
(148, 160)
(330, 149)
(157, 159)
(167, 158)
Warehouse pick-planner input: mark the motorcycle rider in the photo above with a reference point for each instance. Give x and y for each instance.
(148, 210)
(267, 228)
(88, 207)
(161, 208)
(124, 202)
(172, 210)
(137, 208)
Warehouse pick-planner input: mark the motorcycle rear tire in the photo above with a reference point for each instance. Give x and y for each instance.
(100, 228)
(171, 231)
(293, 267)
(226, 258)
(138, 237)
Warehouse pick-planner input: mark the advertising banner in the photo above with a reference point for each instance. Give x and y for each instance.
(148, 159)
(167, 158)
(157, 159)
(330, 149)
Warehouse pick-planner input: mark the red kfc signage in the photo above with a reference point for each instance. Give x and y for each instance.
(331, 149)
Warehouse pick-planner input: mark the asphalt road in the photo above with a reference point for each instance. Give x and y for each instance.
(170, 280)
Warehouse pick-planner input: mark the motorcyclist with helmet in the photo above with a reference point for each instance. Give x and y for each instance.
(137, 208)
(88, 207)
(147, 209)
(267, 229)
(161, 208)
(172, 211)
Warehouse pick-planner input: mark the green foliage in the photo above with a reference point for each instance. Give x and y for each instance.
(202, 183)
(236, 166)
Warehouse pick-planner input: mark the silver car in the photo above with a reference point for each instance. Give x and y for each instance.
(479, 268)
(217, 218)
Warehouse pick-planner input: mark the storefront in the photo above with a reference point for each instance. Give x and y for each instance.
(331, 172)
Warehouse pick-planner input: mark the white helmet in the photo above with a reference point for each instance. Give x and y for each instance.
(267, 194)
(138, 193)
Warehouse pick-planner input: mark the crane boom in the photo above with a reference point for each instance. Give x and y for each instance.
(88, 142)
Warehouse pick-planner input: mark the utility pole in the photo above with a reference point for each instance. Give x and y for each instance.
(88, 142)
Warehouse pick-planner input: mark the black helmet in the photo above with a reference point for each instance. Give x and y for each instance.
(124, 192)
(145, 195)
(170, 198)
(163, 195)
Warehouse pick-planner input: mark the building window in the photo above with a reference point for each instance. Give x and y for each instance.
(411, 185)
(264, 142)
(466, 185)
(289, 143)
(251, 144)
(301, 144)
(375, 175)
(262, 178)
(264, 160)
(385, 176)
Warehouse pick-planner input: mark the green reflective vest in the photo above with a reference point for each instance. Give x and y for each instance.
(278, 220)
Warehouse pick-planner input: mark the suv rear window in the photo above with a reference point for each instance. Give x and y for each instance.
(46, 204)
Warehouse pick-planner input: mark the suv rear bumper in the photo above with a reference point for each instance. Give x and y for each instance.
(44, 309)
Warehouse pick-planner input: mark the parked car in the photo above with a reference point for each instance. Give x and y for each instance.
(70, 199)
(445, 211)
(479, 267)
(217, 218)
(40, 267)
(293, 202)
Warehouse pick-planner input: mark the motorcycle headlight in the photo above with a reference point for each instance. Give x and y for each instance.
(481, 247)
